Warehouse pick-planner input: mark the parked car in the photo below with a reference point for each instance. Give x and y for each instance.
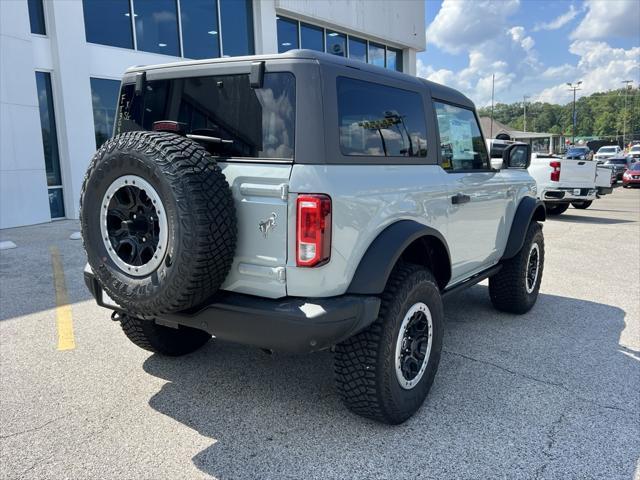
(578, 153)
(608, 151)
(289, 202)
(619, 164)
(631, 178)
(634, 152)
(565, 181)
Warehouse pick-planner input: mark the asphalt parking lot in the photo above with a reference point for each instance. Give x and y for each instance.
(552, 394)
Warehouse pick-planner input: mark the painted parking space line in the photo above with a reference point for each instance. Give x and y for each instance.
(64, 320)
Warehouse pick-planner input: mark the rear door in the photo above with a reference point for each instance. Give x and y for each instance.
(478, 194)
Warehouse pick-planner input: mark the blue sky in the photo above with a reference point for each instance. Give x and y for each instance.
(532, 46)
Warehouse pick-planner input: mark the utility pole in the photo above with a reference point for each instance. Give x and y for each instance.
(627, 85)
(524, 104)
(493, 87)
(574, 88)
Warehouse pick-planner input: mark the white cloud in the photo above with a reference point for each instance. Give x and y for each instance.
(600, 68)
(609, 18)
(461, 24)
(557, 22)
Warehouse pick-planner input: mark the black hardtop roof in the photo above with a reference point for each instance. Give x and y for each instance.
(438, 91)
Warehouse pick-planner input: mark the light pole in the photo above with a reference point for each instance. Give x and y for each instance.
(627, 84)
(574, 88)
(524, 104)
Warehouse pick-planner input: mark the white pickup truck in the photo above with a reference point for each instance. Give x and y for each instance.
(573, 180)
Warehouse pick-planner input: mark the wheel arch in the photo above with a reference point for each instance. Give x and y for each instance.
(405, 240)
(529, 210)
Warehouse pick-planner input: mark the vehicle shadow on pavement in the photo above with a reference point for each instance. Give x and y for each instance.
(565, 217)
(543, 394)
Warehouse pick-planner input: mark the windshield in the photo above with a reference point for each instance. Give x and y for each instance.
(607, 150)
(621, 161)
(635, 148)
(256, 122)
(635, 167)
(577, 151)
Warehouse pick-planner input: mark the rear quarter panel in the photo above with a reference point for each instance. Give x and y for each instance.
(365, 200)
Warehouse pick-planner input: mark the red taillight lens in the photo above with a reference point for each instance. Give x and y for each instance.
(313, 230)
(555, 174)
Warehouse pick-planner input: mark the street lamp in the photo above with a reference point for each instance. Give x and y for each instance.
(627, 85)
(574, 88)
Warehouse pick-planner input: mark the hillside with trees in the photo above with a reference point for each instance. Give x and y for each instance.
(598, 115)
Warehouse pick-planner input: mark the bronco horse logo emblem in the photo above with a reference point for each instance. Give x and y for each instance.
(267, 225)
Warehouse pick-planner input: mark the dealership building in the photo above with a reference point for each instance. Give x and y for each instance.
(61, 61)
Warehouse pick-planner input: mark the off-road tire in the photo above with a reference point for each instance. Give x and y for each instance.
(508, 287)
(155, 338)
(201, 222)
(556, 208)
(582, 205)
(365, 363)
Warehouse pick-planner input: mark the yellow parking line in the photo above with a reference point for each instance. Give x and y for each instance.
(64, 320)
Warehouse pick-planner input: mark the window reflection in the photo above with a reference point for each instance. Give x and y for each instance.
(357, 49)
(36, 17)
(376, 120)
(237, 27)
(114, 13)
(104, 98)
(200, 31)
(312, 37)
(50, 143)
(336, 43)
(376, 54)
(287, 34)
(394, 59)
(157, 26)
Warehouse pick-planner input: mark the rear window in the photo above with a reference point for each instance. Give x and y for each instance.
(620, 161)
(380, 121)
(260, 122)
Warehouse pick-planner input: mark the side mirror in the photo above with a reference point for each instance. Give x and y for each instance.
(517, 156)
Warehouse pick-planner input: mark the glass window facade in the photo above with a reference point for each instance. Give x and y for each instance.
(376, 120)
(157, 26)
(336, 43)
(237, 27)
(357, 49)
(461, 142)
(200, 30)
(114, 13)
(210, 28)
(376, 54)
(287, 34)
(312, 37)
(291, 32)
(36, 17)
(259, 122)
(104, 99)
(50, 144)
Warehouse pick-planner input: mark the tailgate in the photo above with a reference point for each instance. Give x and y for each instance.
(260, 194)
(577, 173)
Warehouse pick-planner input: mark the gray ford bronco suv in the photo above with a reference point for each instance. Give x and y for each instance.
(303, 202)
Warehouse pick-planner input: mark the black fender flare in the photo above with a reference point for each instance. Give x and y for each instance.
(528, 210)
(370, 278)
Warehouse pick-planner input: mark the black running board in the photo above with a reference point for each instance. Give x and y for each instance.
(471, 281)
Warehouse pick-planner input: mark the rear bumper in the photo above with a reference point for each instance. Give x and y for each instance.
(289, 324)
(564, 195)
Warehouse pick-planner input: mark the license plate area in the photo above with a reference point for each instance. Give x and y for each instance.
(576, 191)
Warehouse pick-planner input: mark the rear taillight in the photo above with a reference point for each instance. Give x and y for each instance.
(555, 173)
(313, 230)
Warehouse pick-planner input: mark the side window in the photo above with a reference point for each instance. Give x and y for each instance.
(461, 142)
(376, 120)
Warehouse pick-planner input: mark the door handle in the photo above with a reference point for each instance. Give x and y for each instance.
(460, 198)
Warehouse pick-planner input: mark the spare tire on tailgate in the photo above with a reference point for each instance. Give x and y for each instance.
(158, 222)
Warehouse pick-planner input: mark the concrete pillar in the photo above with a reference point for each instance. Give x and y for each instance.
(409, 61)
(23, 182)
(265, 29)
(71, 61)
